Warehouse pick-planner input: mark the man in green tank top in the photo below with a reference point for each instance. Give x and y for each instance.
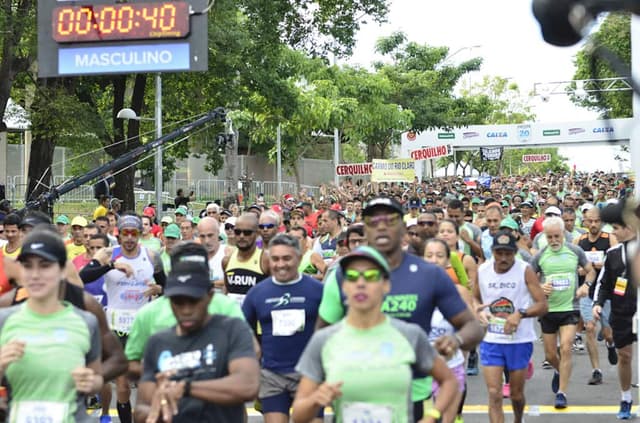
(557, 265)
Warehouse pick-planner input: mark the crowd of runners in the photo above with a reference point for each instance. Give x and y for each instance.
(376, 300)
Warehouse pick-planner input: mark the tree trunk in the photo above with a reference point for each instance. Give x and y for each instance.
(40, 159)
(125, 181)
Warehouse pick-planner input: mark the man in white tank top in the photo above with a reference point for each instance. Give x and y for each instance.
(126, 294)
(510, 294)
(209, 235)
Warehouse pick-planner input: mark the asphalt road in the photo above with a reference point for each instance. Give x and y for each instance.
(587, 404)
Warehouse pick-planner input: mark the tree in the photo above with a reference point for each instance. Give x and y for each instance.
(614, 34)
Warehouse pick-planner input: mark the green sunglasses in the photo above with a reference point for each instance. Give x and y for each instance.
(370, 275)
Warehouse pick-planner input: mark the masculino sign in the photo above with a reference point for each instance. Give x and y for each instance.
(434, 152)
(354, 169)
(393, 170)
(536, 158)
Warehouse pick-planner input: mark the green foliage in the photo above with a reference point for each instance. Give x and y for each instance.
(615, 34)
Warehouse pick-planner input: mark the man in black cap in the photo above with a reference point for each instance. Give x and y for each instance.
(512, 294)
(202, 369)
(417, 288)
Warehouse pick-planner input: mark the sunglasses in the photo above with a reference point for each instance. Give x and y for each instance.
(228, 226)
(245, 232)
(427, 223)
(370, 275)
(129, 232)
(267, 225)
(411, 233)
(388, 219)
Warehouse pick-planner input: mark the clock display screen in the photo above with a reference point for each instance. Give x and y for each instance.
(122, 21)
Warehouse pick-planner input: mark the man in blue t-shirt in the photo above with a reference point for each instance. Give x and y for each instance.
(286, 307)
(417, 288)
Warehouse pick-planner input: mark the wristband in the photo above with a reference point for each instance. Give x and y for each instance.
(589, 284)
(433, 412)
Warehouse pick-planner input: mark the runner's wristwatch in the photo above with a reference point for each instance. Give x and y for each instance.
(523, 312)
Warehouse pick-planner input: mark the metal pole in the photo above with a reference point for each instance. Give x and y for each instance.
(279, 164)
(336, 155)
(158, 173)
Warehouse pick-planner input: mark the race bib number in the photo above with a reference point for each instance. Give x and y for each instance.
(594, 256)
(621, 286)
(496, 328)
(362, 412)
(39, 412)
(287, 322)
(560, 282)
(122, 320)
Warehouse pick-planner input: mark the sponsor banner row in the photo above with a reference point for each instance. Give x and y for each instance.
(524, 133)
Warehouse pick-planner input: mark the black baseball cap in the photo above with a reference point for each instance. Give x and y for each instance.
(414, 203)
(382, 202)
(44, 244)
(187, 279)
(504, 240)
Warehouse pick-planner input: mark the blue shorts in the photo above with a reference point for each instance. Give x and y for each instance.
(510, 356)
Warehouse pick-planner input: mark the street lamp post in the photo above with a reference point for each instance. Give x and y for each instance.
(130, 114)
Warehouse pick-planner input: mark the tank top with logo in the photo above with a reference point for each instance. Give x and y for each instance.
(125, 296)
(506, 293)
(243, 275)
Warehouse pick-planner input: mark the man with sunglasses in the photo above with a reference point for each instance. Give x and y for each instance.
(83, 259)
(417, 288)
(246, 265)
(268, 225)
(126, 294)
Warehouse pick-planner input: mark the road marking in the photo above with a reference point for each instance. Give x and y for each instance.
(475, 409)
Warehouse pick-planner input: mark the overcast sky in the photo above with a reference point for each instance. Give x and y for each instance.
(507, 36)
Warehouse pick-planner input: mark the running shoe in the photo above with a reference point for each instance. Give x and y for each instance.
(578, 345)
(458, 419)
(546, 365)
(561, 400)
(625, 410)
(105, 419)
(472, 364)
(596, 377)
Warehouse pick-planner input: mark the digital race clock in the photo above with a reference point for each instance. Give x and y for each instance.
(120, 21)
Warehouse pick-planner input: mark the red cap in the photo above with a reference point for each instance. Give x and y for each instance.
(149, 212)
(288, 197)
(276, 208)
(336, 207)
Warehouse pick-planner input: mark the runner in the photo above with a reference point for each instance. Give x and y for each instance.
(126, 294)
(203, 369)
(311, 262)
(557, 265)
(618, 283)
(209, 236)
(418, 287)
(509, 293)
(11, 249)
(147, 239)
(376, 388)
(50, 350)
(283, 305)
(247, 265)
(156, 316)
(76, 245)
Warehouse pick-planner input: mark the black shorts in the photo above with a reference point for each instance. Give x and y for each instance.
(551, 322)
(622, 328)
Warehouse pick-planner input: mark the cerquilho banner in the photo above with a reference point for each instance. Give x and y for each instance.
(536, 158)
(393, 170)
